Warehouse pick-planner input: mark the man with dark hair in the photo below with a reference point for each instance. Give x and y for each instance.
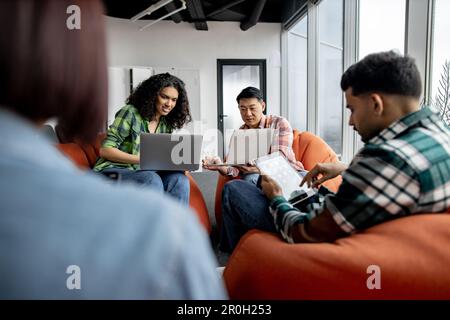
(250, 92)
(251, 107)
(403, 169)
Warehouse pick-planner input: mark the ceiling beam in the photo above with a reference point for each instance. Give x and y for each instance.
(223, 8)
(254, 17)
(195, 9)
(170, 7)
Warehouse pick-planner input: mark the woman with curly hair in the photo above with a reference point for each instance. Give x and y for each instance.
(158, 105)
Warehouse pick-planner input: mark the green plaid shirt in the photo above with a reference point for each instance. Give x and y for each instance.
(403, 170)
(124, 134)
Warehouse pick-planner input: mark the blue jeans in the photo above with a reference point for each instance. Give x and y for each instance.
(244, 207)
(251, 177)
(175, 183)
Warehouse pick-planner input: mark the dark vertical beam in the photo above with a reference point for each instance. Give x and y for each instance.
(195, 9)
(254, 17)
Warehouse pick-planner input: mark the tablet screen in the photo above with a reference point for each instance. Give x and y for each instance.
(279, 169)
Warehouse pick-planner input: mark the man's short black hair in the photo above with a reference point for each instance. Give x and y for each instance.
(250, 92)
(386, 72)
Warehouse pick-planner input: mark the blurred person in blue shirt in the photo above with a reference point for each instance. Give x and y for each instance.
(125, 243)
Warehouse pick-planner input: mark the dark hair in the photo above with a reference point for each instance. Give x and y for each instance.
(386, 72)
(250, 92)
(145, 95)
(47, 70)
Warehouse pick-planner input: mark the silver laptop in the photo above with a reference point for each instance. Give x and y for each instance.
(175, 152)
(248, 145)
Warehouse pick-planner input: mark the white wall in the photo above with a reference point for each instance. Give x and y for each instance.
(167, 44)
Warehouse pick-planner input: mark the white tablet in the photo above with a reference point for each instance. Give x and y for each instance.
(279, 169)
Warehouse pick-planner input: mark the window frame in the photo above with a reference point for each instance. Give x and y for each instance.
(419, 15)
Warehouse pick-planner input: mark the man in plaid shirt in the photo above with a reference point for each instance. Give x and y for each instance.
(403, 169)
(251, 107)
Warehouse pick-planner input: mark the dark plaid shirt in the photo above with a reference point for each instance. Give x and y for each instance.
(403, 170)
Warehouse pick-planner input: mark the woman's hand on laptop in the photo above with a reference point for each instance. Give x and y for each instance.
(210, 163)
(323, 172)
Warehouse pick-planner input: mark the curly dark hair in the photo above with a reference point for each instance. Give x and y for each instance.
(145, 95)
(386, 72)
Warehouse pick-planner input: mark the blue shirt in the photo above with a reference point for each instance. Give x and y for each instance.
(128, 243)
